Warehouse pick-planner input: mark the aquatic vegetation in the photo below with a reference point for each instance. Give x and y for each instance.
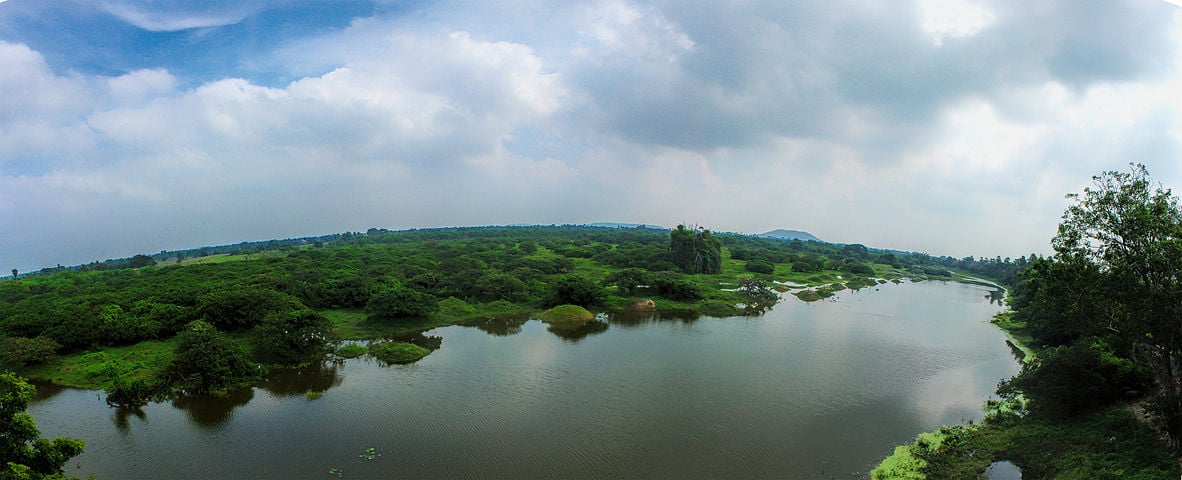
(370, 453)
(313, 395)
(397, 352)
(351, 350)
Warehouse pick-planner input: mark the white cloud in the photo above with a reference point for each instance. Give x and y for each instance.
(947, 128)
(172, 16)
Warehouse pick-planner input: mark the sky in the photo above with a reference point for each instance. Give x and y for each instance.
(951, 127)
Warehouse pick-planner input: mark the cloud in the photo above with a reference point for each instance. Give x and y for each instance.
(953, 128)
(173, 16)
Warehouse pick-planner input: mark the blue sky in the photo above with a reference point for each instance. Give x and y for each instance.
(953, 127)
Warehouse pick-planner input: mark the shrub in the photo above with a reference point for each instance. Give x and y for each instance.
(27, 351)
(575, 290)
(760, 266)
(400, 302)
(397, 352)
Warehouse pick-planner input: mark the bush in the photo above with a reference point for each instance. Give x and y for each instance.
(575, 290)
(760, 266)
(293, 337)
(206, 361)
(399, 303)
(675, 286)
(27, 351)
(1071, 380)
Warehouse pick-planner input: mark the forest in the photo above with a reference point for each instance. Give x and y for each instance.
(210, 320)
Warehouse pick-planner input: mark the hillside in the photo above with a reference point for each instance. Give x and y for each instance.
(790, 235)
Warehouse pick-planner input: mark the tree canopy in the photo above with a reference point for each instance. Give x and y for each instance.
(24, 453)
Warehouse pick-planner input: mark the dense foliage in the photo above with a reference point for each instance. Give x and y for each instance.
(23, 453)
(1116, 278)
(206, 319)
(695, 251)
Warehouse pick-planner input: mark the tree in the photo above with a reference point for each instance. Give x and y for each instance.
(760, 266)
(397, 303)
(627, 280)
(206, 361)
(1131, 233)
(290, 337)
(695, 251)
(24, 453)
(757, 295)
(575, 290)
(14, 274)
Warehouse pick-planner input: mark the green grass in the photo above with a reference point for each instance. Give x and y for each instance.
(94, 370)
(397, 352)
(567, 316)
(351, 350)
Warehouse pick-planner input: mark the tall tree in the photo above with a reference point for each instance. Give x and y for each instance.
(695, 251)
(1131, 232)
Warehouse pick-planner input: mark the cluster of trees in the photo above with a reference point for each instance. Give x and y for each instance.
(23, 453)
(695, 251)
(1107, 307)
(398, 278)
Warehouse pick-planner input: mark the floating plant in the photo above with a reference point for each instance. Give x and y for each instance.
(370, 454)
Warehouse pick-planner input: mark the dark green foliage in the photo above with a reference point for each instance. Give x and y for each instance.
(575, 290)
(134, 393)
(695, 251)
(398, 303)
(140, 261)
(206, 361)
(675, 286)
(242, 307)
(760, 266)
(501, 286)
(627, 280)
(1115, 276)
(27, 351)
(1108, 444)
(1070, 380)
(23, 453)
(858, 268)
(293, 337)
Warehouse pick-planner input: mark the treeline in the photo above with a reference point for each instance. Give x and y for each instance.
(404, 278)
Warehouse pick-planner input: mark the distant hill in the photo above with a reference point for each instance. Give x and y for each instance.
(790, 235)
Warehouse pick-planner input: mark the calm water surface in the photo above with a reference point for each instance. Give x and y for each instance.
(820, 390)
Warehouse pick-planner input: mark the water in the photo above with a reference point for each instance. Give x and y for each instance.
(820, 390)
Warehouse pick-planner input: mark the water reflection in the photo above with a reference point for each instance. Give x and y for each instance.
(122, 415)
(574, 334)
(295, 381)
(501, 326)
(210, 411)
(628, 319)
(44, 391)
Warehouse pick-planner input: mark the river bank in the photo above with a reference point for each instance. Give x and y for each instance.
(1111, 442)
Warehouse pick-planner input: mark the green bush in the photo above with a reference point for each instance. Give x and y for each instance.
(760, 266)
(399, 303)
(397, 352)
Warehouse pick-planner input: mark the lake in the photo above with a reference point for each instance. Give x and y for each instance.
(807, 390)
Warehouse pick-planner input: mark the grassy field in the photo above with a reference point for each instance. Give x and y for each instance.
(94, 370)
